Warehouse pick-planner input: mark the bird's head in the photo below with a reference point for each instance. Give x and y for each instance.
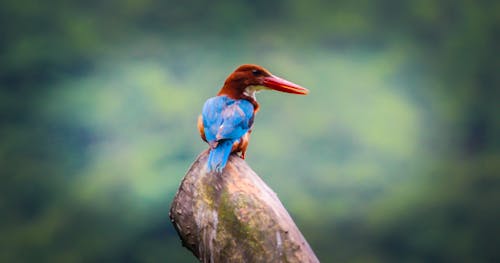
(248, 79)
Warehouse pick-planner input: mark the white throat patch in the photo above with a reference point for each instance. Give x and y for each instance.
(251, 90)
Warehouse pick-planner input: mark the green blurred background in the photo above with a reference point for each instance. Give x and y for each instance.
(393, 157)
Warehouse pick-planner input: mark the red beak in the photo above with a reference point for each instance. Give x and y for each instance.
(279, 84)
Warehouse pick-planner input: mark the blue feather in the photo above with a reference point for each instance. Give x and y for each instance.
(225, 121)
(217, 159)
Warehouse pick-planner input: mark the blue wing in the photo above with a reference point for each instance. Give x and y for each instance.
(225, 121)
(225, 118)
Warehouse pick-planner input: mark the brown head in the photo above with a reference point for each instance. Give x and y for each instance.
(248, 79)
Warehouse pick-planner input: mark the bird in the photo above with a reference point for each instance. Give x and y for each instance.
(226, 120)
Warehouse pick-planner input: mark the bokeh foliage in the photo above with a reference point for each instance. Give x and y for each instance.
(393, 157)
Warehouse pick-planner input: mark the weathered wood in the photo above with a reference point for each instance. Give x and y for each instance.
(235, 217)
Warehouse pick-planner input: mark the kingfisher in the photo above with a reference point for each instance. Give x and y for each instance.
(227, 119)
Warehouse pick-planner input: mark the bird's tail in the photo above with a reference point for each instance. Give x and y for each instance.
(217, 159)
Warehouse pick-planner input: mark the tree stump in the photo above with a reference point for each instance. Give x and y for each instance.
(235, 217)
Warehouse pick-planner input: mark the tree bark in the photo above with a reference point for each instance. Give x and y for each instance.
(235, 217)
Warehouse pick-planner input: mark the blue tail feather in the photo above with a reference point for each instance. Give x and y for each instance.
(217, 159)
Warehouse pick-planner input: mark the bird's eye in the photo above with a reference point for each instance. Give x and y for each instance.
(256, 72)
